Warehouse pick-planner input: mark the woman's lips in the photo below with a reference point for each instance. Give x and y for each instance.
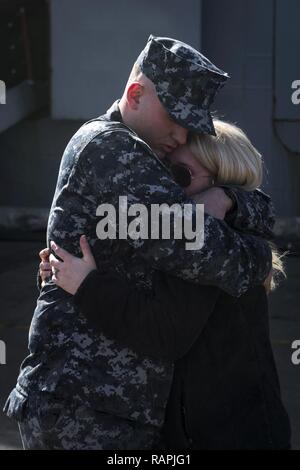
(168, 148)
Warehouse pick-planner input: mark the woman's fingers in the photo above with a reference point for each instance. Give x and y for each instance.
(55, 263)
(45, 271)
(69, 271)
(86, 250)
(44, 254)
(60, 252)
(55, 280)
(44, 266)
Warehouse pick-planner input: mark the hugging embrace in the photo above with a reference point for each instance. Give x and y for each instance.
(139, 343)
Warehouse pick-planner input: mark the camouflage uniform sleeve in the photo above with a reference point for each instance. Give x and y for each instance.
(253, 212)
(228, 259)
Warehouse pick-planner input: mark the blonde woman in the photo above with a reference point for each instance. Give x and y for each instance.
(225, 392)
(228, 159)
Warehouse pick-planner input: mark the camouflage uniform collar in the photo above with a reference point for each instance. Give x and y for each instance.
(114, 114)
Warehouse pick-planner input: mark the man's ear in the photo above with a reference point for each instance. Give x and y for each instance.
(134, 93)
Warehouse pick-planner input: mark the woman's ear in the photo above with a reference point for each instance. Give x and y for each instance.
(134, 93)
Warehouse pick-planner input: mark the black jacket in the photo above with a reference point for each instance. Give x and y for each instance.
(225, 392)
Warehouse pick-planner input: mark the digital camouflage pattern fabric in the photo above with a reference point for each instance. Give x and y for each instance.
(69, 362)
(52, 424)
(186, 81)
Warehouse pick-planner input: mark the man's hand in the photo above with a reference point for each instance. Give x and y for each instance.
(216, 202)
(45, 268)
(71, 271)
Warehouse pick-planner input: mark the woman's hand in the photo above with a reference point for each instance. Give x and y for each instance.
(71, 271)
(45, 268)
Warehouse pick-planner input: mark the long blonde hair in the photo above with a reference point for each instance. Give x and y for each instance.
(232, 160)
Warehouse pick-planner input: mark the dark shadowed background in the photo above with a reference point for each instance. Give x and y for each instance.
(65, 61)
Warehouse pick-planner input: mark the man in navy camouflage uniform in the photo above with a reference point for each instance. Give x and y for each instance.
(81, 390)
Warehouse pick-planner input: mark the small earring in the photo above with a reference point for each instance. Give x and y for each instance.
(212, 182)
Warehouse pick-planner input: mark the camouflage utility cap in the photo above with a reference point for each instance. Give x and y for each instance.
(186, 81)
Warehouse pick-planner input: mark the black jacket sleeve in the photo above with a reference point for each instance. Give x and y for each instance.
(164, 324)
